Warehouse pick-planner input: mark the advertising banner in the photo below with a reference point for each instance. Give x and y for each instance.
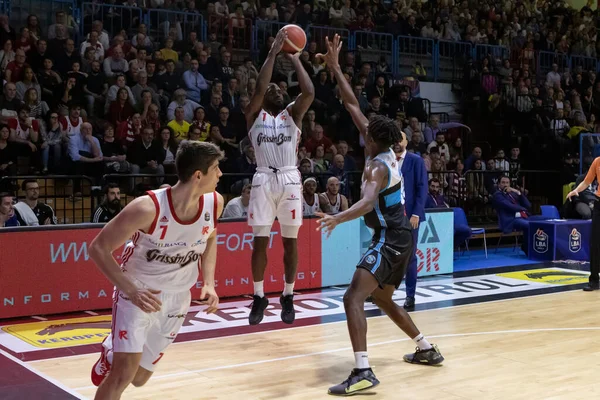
(434, 253)
(50, 271)
(573, 240)
(560, 239)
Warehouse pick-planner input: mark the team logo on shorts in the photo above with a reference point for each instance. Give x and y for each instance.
(370, 259)
(207, 216)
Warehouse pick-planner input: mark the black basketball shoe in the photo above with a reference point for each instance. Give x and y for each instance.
(288, 314)
(430, 356)
(258, 309)
(359, 380)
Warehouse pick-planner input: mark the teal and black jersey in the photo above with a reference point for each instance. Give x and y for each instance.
(389, 212)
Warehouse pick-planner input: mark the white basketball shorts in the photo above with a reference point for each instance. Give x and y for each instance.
(276, 194)
(135, 331)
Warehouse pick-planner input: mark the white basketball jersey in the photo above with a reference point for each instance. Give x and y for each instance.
(73, 130)
(275, 140)
(308, 210)
(168, 257)
(335, 208)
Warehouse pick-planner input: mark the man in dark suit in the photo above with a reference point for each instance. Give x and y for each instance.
(513, 212)
(414, 172)
(512, 207)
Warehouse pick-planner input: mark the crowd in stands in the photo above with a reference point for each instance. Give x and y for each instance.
(120, 100)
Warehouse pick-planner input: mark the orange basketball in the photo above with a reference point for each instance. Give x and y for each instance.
(296, 39)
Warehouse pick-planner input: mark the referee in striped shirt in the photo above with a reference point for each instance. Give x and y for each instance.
(111, 205)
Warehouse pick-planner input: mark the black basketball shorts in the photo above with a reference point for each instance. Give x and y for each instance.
(388, 256)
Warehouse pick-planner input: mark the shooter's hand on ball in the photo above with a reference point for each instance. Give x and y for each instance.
(279, 41)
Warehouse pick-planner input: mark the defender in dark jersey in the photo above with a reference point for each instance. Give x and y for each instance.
(381, 269)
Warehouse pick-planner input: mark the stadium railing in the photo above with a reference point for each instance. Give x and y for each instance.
(57, 192)
(448, 53)
(412, 50)
(160, 21)
(545, 59)
(18, 10)
(482, 51)
(230, 184)
(438, 57)
(372, 46)
(114, 18)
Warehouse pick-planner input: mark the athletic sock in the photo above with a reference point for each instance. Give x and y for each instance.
(421, 342)
(361, 359)
(288, 289)
(259, 289)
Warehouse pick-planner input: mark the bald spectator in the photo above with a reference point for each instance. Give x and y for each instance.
(116, 64)
(66, 57)
(319, 139)
(9, 103)
(207, 66)
(475, 155)
(56, 44)
(332, 201)
(86, 156)
(14, 69)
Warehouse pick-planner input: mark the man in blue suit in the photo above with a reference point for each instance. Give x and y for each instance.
(513, 208)
(414, 172)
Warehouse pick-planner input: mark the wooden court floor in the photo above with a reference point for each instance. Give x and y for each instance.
(541, 347)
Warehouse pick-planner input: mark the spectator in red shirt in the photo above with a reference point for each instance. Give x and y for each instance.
(120, 109)
(14, 69)
(319, 139)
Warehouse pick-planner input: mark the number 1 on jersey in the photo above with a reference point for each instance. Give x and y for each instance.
(164, 231)
(293, 214)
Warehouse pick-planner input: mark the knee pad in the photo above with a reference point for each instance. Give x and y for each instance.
(290, 231)
(261, 230)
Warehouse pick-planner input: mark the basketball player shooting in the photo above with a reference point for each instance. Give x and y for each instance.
(170, 234)
(276, 186)
(382, 267)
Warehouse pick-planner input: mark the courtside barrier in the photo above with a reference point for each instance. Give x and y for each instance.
(48, 269)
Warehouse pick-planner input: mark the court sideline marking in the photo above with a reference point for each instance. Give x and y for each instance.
(42, 375)
(321, 324)
(296, 356)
